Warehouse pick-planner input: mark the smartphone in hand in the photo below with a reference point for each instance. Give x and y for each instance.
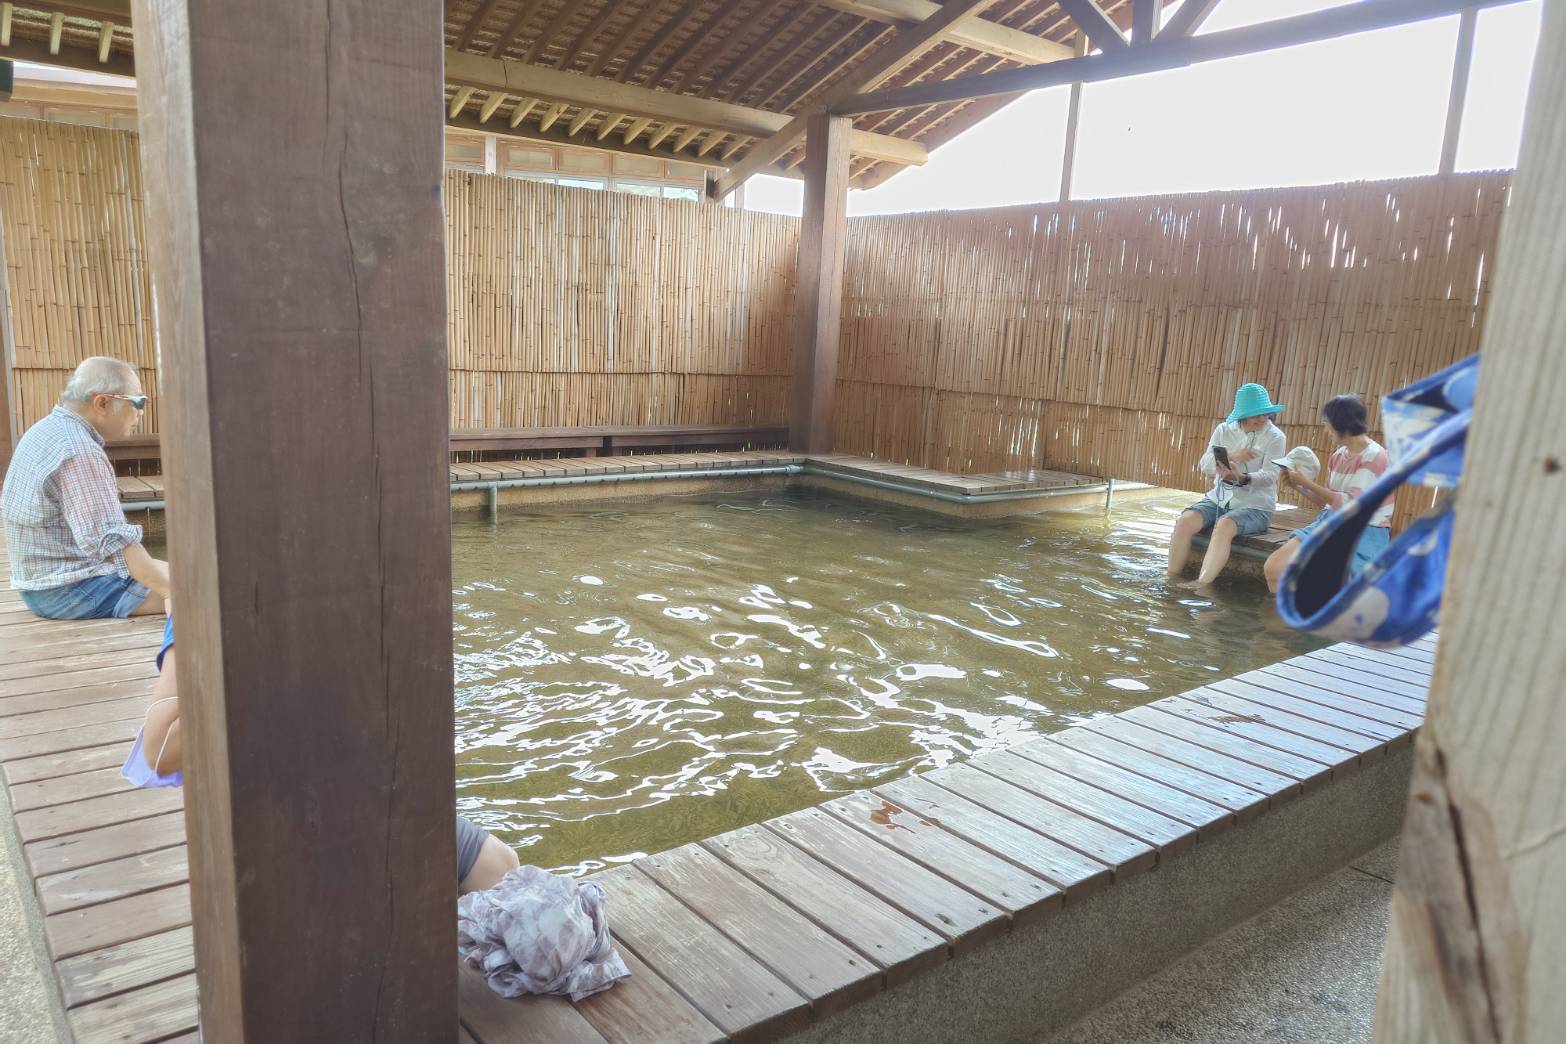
(1221, 455)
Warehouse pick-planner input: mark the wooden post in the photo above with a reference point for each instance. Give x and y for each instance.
(819, 294)
(1068, 161)
(1461, 62)
(292, 155)
(1478, 923)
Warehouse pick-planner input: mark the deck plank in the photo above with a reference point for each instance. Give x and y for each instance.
(63, 741)
(1309, 774)
(1024, 896)
(89, 847)
(828, 974)
(960, 916)
(153, 1012)
(65, 719)
(126, 966)
(1263, 697)
(122, 920)
(1319, 664)
(1306, 692)
(1407, 675)
(88, 675)
(1277, 728)
(78, 816)
(60, 790)
(1293, 671)
(1202, 817)
(1121, 727)
(1075, 874)
(899, 946)
(493, 1019)
(645, 1009)
(1159, 831)
(1240, 802)
(116, 879)
(1124, 854)
(736, 994)
(67, 763)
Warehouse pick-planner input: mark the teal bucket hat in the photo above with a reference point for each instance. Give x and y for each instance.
(1252, 400)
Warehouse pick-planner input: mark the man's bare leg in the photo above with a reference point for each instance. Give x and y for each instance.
(1186, 526)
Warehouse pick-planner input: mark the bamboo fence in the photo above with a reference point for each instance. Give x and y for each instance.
(75, 258)
(1108, 337)
(1101, 337)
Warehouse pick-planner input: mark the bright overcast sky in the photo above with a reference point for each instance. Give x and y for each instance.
(1355, 108)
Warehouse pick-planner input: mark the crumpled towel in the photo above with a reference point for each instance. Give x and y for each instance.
(537, 932)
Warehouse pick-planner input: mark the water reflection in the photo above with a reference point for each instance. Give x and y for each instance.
(632, 679)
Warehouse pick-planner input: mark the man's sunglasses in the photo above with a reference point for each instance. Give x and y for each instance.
(138, 401)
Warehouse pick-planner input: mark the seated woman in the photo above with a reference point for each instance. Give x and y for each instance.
(1244, 493)
(1357, 462)
(157, 760)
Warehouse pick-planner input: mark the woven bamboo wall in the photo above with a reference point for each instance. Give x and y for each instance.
(76, 268)
(568, 306)
(572, 307)
(1108, 337)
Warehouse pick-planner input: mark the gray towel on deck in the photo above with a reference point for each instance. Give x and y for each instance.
(537, 932)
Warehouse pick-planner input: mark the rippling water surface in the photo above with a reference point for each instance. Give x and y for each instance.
(634, 678)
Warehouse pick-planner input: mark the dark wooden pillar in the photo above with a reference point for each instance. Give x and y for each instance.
(819, 298)
(292, 154)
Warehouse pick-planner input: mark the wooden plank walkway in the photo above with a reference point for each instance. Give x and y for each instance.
(744, 936)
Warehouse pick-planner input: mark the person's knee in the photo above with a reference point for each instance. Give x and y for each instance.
(495, 861)
(1189, 523)
(1225, 528)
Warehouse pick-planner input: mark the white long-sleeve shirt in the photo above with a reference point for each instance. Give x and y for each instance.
(1262, 491)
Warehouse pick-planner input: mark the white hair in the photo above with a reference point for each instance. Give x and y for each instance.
(97, 376)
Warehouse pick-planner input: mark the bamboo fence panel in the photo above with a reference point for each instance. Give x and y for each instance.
(571, 306)
(75, 261)
(1108, 337)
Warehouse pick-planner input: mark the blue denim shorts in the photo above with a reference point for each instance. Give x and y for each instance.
(95, 598)
(1247, 521)
(1372, 542)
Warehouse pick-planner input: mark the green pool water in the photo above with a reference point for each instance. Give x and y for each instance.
(635, 677)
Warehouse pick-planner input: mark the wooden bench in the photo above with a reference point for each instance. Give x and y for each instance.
(1257, 547)
(745, 936)
(591, 440)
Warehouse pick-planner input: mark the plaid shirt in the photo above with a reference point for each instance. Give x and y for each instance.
(63, 519)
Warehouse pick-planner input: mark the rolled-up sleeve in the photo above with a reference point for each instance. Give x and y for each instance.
(90, 502)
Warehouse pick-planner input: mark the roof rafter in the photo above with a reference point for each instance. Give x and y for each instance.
(1091, 19)
(906, 46)
(981, 35)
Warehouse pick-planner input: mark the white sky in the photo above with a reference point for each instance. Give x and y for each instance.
(1359, 107)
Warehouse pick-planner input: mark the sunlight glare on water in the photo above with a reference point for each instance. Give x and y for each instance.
(635, 677)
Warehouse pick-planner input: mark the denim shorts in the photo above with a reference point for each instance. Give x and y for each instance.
(95, 598)
(1372, 542)
(1247, 521)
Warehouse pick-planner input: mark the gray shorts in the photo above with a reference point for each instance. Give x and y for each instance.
(1247, 521)
(470, 841)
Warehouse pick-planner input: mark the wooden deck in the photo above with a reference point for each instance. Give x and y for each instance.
(744, 936)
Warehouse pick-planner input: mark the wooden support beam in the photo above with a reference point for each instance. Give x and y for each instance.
(688, 136)
(710, 143)
(475, 23)
(1462, 61)
(1188, 17)
(1474, 943)
(520, 110)
(1146, 17)
(6, 11)
(309, 520)
(1091, 19)
(551, 114)
(674, 24)
(491, 103)
(658, 137)
(26, 49)
(513, 28)
(606, 126)
(1169, 53)
(978, 34)
(818, 300)
(635, 129)
(470, 70)
(56, 28)
(581, 120)
(557, 133)
(105, 40)
(884, 63)
(1068, 160)
(459, 101)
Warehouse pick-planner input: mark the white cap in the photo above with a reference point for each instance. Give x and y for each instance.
(1302, 459)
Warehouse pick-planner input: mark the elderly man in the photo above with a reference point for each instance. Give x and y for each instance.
(74, 555)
